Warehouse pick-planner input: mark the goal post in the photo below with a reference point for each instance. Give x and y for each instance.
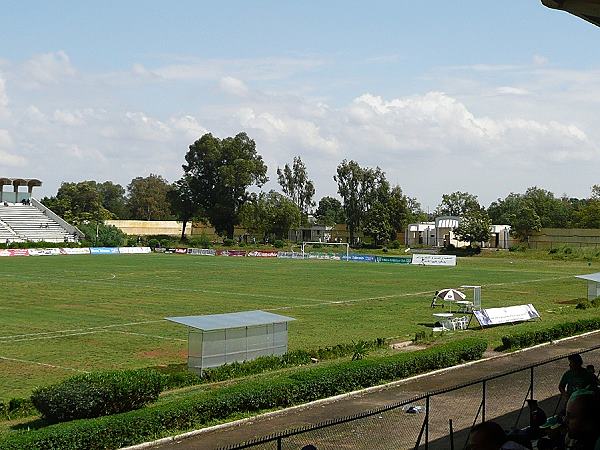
(328, 243)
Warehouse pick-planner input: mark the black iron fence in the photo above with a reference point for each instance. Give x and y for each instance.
(440, 419)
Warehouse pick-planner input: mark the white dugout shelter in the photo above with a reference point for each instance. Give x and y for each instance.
(219, 339)
(593, 280)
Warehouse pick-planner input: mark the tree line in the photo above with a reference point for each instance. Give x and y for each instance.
(222, 180)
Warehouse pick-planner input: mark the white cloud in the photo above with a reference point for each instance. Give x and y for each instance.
(510, 90)
(540, 60)
(48, 68)
(233, 86)
(8, 158)
(4, 111)
(189, 125)
(69, 118)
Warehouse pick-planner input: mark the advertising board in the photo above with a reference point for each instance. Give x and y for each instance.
(362, 258)
(15, 252)
(508, 314)
(231, 253)
(104, 250)
(395, 259)
(133, 250)
(289, 255)
(201, 251)
(263, 254)
(44, 251)
(434, 260)
(75, 251)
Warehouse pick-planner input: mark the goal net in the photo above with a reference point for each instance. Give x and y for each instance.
(343, 244)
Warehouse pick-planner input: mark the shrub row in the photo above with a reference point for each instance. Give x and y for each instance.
(248, 396)
(97, 394)
(547, 334)
(179, 376)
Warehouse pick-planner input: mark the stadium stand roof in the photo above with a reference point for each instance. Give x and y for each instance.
(16, 182)
(230, 320)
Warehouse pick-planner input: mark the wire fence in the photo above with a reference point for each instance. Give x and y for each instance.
(440, 419)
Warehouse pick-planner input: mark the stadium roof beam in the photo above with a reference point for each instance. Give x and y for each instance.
(586, 9)
(17, 182)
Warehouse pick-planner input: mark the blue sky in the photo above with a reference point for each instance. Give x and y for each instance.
(488, 97)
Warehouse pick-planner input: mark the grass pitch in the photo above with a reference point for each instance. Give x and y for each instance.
(64, 315)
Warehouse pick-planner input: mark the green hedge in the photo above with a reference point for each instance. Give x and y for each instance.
(17, 407)
(97, 394)
(248, 396)
(529, 338)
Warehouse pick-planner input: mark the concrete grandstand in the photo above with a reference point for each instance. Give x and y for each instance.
(23, 218)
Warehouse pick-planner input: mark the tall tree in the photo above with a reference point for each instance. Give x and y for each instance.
(363, 190)
(349, 178)
(330, 211)
(220, 172)
(296, 185)
(525, 222)
(113, 198)
(148, 198)
(457, 204)
(78, 203)
(183, 204)
(475, 226)
(270, 214)
(377, 223)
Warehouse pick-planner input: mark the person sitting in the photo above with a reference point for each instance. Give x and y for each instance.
(491, 436)
(577, 377)
(582, 419)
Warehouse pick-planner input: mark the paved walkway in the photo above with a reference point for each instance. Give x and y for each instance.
(394, 392)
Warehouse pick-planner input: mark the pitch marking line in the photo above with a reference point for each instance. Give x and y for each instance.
(52, 366)
(81, 329)
(409, 294)
(168, 288)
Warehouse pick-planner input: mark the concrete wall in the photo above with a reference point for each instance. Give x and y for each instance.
(150, 227)
(575, 237)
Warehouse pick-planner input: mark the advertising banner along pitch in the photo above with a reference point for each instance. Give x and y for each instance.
(134, 250)
(201, 251)
(434, 260)
(104, 250)
(15, 252)
(509, 314)
(263, 254)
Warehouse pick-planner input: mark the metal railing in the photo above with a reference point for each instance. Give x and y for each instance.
(439, 419)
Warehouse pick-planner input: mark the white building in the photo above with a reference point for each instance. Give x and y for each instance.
(440, 233)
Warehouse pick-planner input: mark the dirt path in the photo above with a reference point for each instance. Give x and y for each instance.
(505, 396)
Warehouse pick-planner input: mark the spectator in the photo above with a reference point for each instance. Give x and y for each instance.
(576, 377)
(583, 417)
(491, 436)
(591, 369)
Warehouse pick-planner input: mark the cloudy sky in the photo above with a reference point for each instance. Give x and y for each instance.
(478, 95)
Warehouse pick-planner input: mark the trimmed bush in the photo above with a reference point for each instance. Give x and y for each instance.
(249, 396)
(97, 394)
(16, 407)
(529, 338)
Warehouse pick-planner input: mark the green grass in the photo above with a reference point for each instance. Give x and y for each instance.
(332, 301)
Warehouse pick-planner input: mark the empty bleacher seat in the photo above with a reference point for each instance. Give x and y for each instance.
(28, 223)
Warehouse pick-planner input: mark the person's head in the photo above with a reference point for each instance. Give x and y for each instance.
(583, 414)
(486, 436)
(575, 361)
(590, 368)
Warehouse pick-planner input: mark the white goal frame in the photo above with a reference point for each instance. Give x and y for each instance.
(329, 243)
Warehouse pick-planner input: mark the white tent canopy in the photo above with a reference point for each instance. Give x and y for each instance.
(593, 280)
